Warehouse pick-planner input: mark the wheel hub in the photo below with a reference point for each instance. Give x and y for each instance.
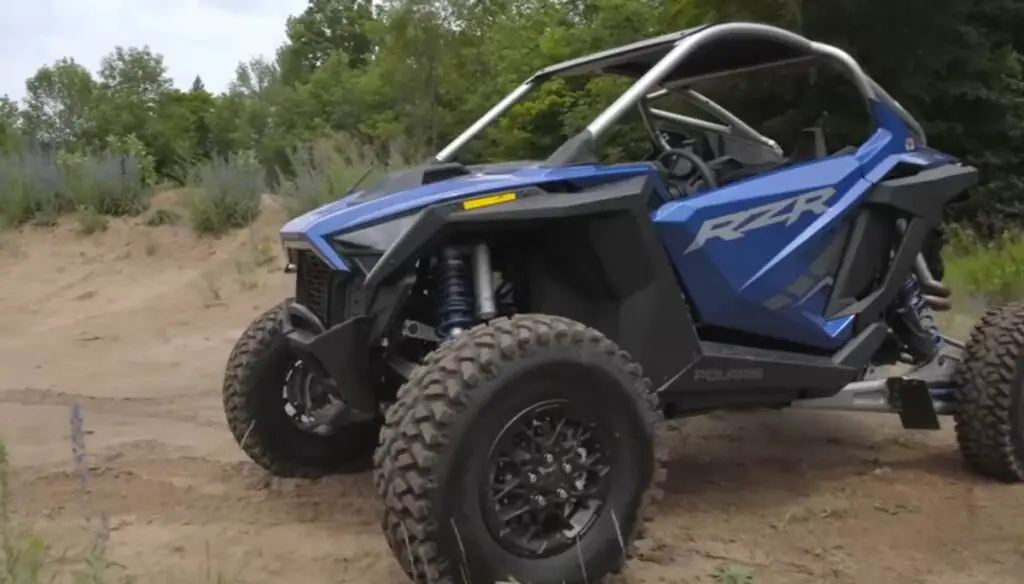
(546, 483)
(312, 405)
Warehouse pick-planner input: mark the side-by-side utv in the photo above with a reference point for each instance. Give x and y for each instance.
(498, 341)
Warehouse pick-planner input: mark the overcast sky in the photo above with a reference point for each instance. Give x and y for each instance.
(196, 37)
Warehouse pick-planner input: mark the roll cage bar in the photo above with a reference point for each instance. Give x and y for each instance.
(669, 64)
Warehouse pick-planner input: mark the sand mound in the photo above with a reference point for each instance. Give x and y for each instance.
(154, 290)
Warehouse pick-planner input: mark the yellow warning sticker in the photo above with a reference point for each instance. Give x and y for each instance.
(488, 201)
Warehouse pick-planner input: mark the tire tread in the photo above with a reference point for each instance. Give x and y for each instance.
(413, 434)
(984, 387)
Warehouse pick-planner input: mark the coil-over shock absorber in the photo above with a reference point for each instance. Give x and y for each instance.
(454, 293)
(460, 290)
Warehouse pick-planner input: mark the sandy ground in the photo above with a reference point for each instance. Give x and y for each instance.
(135, 325)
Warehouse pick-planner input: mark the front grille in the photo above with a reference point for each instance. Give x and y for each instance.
(313, 284)
(332, 295)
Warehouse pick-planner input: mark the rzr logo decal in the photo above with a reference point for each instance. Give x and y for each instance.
(736, 225)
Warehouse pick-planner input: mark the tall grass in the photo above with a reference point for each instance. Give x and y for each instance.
(325, 171)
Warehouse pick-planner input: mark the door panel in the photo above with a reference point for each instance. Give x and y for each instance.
(760, 255)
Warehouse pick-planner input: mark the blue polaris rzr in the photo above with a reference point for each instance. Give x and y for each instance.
(498, 341)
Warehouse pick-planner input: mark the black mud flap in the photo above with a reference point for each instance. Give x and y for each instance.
(339, 353)
(913, 401)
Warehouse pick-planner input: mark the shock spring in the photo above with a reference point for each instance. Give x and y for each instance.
(454, 293)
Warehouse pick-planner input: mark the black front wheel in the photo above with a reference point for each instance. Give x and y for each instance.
(284, 417)
(522, 450)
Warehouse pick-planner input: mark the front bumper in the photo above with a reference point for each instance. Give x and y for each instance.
(338, 353)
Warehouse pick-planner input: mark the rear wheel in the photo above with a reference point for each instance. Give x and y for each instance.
(523, 449)
(989, 392)
(283, 416)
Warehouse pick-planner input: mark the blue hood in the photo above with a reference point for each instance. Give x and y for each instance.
(355, 210)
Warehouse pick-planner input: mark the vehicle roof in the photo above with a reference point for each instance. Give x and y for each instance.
(736, 50)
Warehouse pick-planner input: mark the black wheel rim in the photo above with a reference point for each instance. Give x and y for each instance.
(546, 480)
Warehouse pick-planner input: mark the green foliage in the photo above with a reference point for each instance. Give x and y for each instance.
(991, 269)
(419, 71)
(225, 193)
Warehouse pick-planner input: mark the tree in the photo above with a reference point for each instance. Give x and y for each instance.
(58, 102)
(327, 26)
(10, 124)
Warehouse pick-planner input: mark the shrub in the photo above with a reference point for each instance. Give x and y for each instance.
(224, 194)
(110, 184)
(325, 171)
(38, 186)
(32, 186)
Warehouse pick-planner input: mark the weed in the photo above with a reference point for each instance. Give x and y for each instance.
(23, 553)
(90, 222)
(163, 217)
(734, 574)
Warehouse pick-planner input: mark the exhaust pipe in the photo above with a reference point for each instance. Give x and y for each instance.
(929, 285)
(935, 292)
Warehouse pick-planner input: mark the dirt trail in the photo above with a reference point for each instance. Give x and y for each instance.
(135, 324)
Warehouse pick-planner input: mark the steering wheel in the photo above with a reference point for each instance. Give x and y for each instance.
(686, 167)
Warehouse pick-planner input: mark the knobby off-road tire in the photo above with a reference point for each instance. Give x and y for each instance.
(255, 408)
(438, 439)
(988, 386)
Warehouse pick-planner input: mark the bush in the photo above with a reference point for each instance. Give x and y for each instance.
(110, 184)
(224, 194)
(37, 186)
(324, 171)
(32, 186)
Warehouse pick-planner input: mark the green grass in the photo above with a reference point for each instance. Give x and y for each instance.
(985, 272)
